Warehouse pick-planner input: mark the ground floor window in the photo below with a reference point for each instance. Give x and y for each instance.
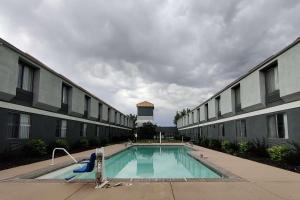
(98, 131)
(277, 126)
(19, 126)
(241, 129)
(83, 130)
(61, 130)
(221, 130)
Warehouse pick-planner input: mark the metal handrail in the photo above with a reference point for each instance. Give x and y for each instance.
(53, 153)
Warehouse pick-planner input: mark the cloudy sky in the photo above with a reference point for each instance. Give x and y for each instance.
(174, 53)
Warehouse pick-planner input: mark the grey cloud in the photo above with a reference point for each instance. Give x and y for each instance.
(174, 53)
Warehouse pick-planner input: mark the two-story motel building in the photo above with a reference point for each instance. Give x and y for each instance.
(262, 104)
(37, 102)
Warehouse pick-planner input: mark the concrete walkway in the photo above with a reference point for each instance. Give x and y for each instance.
(261, 182)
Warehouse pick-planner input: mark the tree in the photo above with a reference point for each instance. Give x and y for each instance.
(180, 114)
(133, 117)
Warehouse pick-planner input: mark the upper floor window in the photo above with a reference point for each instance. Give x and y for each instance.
(277, 126)
(272, 83)
(218, 111)
(116, 117)
(271, 76)
(87, 102)
(19, 126)
(61, 130)
(25, 77)
(193, 118)
(100, 111)
(206, 111)
(198, 114)
(65, 94)
(241, 130)
(237, 98)
(108, 115)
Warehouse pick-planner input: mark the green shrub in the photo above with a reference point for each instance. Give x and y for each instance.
(94, 142)
(204, 142)
(244, 147)
(215, 144)
(62, 143)
(35, 147)
(294, 155)
(103, 142)
(259, 148)
(279, 153)
(83, 143)
(229, 147)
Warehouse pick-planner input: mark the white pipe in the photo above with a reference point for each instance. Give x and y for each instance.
(53, 153)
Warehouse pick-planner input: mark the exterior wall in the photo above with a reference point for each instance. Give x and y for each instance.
(190, 120)
(226, 102)
(251, 90)
(45, 108)
(47, 90)
(256, 129)
(94, 109)
(202, 113)
(105, 112)
(195, 116)
(255, 108)
(77, 101)
(8, 73)
(211, 109)
(112, 115)
(118, 118)
(289, 72)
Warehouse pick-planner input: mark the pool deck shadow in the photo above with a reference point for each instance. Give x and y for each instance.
(258, 181)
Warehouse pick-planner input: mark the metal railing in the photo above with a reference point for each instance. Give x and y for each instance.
(53, 153)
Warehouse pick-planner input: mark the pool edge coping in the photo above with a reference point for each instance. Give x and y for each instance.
(226, 176)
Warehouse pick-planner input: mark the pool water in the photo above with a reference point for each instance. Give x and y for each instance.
(140, 162)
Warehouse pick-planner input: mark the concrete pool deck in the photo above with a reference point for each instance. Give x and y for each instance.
(259, 182)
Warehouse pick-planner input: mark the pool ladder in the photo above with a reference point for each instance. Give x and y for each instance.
(63, 149)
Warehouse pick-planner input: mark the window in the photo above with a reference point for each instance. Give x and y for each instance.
(206, 111)
(19, 126)
(108, 115)
(65, 94)
(61, 130)
(25, 78)
(221, 130)
(241, 130)
(277, 126)
(116, 116)
(237, 98)
(83, 130)
(198, 114)
(193, 118)
(271, 78)
(98, 131)
(87, 101)
(218, 112)
(100, 112)
(272, 83)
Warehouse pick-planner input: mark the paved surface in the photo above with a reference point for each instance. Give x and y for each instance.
(261, 182)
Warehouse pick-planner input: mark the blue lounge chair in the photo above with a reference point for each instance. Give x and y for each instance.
(88, 167)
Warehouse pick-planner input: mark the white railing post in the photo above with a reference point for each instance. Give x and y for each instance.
(53, 154)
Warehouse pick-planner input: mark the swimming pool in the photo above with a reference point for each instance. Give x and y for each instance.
(145, 162)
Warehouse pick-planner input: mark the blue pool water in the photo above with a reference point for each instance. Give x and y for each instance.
(145, 162)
